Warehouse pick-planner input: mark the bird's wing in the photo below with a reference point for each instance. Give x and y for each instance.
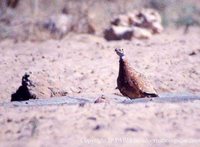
(143, 84)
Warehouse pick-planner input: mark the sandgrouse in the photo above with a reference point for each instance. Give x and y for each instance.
(131, 83)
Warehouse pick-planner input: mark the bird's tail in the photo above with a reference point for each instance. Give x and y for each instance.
(151, 95)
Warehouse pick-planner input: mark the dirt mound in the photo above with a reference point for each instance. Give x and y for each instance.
(37, 85)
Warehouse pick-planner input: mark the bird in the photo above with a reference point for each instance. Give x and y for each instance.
(131, 83)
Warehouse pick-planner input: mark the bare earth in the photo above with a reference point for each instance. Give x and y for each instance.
(87, 66)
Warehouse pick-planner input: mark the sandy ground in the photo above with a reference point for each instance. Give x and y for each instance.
(87, 66)
(139, 124)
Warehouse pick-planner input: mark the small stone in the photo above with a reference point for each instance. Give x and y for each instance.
(102, 99)
(9, 120)
(133, 129)
(192, 53)
(81, 104)
(97, 127)
(92, 118)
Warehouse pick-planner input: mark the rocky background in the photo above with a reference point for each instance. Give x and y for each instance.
(32, 19)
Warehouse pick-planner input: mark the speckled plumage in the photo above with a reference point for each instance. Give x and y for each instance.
(131, 83)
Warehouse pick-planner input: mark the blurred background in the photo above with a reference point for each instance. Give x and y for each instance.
(35, 19)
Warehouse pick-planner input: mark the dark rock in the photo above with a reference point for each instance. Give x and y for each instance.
(23, 92)
(97, 127)
(9, 120)
(12, 3)
(92, 118)
(81, 104)
(192, 53)
(133, 129)
(110, 34)
(102, 99)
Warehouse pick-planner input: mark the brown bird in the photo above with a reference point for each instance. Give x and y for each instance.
(131, 83)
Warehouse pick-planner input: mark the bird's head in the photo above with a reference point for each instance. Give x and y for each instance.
(120, 52)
